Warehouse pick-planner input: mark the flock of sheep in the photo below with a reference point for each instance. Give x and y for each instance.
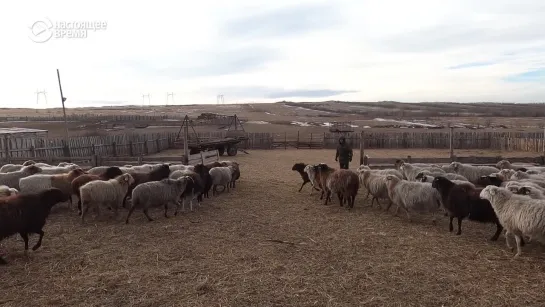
(30, 190)
(511, 196)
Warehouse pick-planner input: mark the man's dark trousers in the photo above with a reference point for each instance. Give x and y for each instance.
(343, 165)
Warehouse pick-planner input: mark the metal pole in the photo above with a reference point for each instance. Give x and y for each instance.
(186, 140)
(63, 109)
(361, 148)
(451, 136)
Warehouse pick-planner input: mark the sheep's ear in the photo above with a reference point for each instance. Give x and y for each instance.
(492, 191)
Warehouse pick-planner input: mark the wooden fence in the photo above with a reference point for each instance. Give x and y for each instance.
(14, 149)
(202, 157)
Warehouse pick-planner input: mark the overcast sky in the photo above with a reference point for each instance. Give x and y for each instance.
(264, 51)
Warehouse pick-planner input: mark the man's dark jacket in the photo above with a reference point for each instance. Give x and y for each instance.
(344, 153)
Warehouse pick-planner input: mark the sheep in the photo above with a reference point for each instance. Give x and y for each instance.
(181, 167)
(300, 168)
(457, 182)
(26, 214)
(236, 171)
(461, 201)
(12, 179)
(487, 180)
(388, 171)
(345, 183)
(505, 174)
(221, 175)
(194, 187)
(519, 215)
(505, 164)
(400, 162)
(322, 172)
(8, 168)
(110, 192)
(408, 195)
(157, 192)
(39, 182)
(531, 192)
(6, 191)
(110, 173)
(204, 172)
(410, 171)
(518, 175)
(159, 172)
(450, 176)
(310, 170)
(375, 184)
(471, 172)
(53, 170)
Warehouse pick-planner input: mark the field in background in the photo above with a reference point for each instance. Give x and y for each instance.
(264, 244)
(304, 117)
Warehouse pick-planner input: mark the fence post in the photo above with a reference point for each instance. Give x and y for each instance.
(297, 145)
(158, 144)
(543, 151)
(66, 150)
(6, 148)
(146, 150)
(94, 160)
(114, 149)
(285, 141)
(310, 144)
(451, 136)
(93, 149)
(130, 149)
(362, 153)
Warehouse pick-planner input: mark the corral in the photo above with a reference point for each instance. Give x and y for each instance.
(264, 244)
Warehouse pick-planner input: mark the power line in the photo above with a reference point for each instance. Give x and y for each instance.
(44, 93)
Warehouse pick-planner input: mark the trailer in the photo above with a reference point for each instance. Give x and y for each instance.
(228, 144)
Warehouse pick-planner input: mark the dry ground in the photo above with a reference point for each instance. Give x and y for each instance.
(221, 255)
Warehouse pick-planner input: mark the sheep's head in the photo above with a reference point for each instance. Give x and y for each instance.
(490, 192)
(440, 182)
(398, 163)
(126, 179)
(455, 166)
(29, 162)
(298, 167)
(112, 172)
(31, 169)
(524, 191)
(420, 176)
(503, 164)
(53, 196)
(489, 180)
(519, 175)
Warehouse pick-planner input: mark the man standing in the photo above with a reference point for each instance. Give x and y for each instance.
(344, 153)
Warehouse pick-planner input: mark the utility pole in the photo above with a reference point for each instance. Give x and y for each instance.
(144, 96)
(170, 95)
(63, 99)
(219, 99)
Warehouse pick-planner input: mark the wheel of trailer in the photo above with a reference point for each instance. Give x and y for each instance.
(221, 150)
(232, 150)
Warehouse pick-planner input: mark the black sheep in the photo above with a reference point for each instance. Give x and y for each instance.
(484, 181)
(27, 213)
(300, 168)
(194, 187)
(203, 171)
(462, 201)
(159, 173)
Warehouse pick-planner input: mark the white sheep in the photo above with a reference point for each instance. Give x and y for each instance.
(519, 215)
(12, 179)
(181, 167)
(52, 170)
(387, 171)
(410, 171)
(221, 175)
(413, 196)
(376, 185)
(471, 172)
(449, 176)
(505, 164)
(110, 192)
(311, 172)
(8, 168)
(41, 182)
(6, 191)
(518, 175)
(455, 181)
(154, 193)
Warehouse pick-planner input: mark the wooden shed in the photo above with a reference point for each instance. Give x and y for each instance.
(11, 136)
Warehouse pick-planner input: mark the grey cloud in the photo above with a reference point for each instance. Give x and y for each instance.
(287, 21)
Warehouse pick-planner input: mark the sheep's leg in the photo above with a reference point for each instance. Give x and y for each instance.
(166, 209)
(450, 227)
(227, 188)
(499, 229)
(459, 232)
(147, 215)
(191, 204)
(507, 233)
(322, 195)
(130, 213)
(39, 243)
(339, 195)
(24, 235)
(2, 261)
(214, 190)
(327, 197)
(519, 249)
(302, 185)
(389, 205)
(79, 205)
(85, 208)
